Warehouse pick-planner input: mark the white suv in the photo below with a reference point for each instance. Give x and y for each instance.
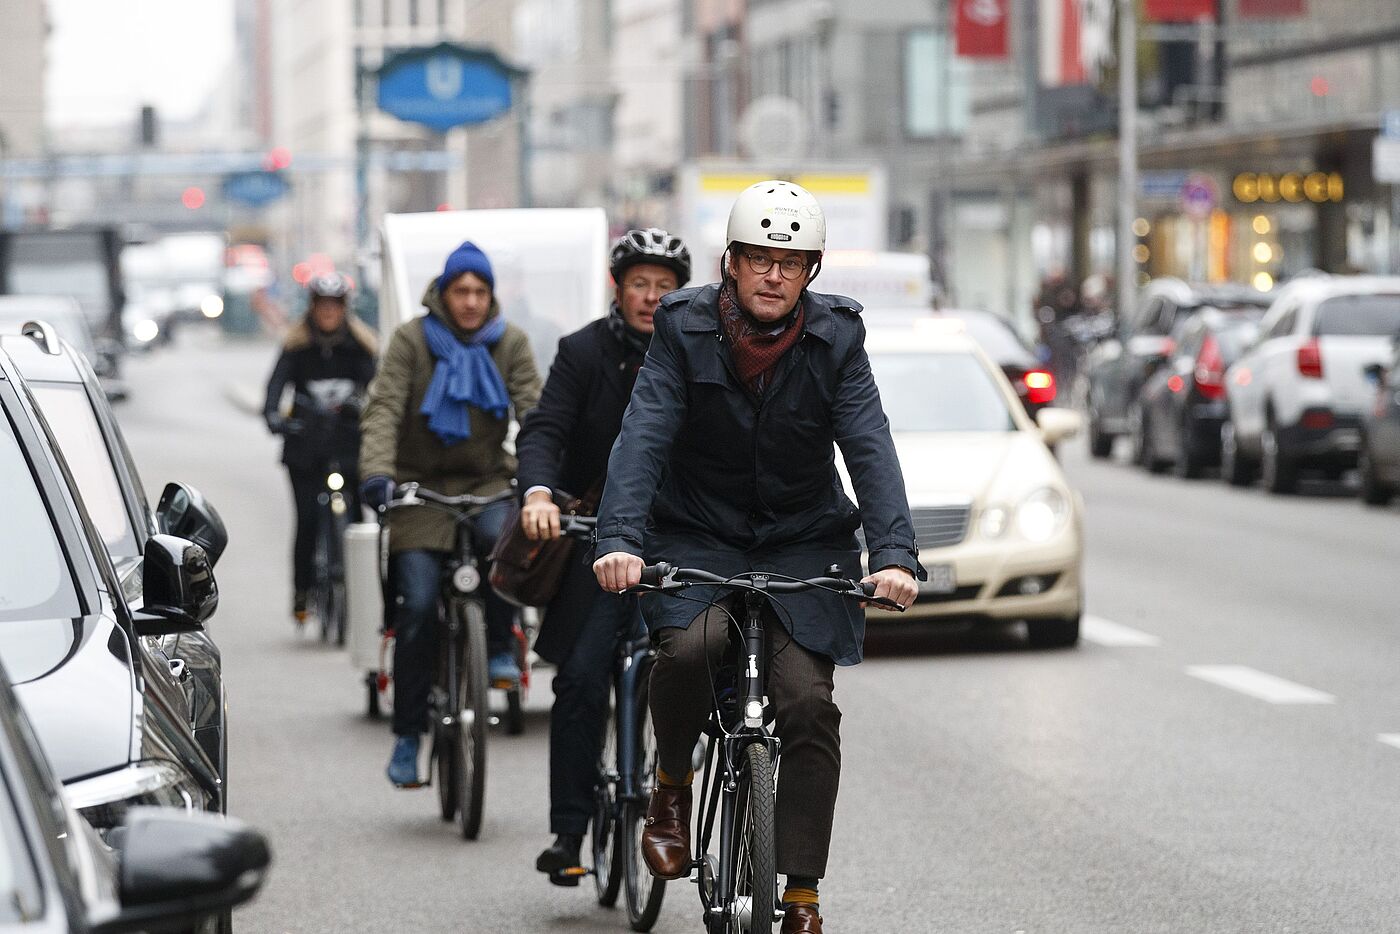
(1296, 396)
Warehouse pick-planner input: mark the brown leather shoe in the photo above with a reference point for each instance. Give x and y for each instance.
(666, 836)
(801, 919)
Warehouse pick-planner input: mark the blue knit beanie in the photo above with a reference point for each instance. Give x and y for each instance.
(466, 258)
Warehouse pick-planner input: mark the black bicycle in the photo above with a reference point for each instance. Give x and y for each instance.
(460, 716)
(739, 884)
(336, 508)
(626, 774)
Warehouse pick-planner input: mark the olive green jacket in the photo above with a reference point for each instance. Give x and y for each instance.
(396, 441)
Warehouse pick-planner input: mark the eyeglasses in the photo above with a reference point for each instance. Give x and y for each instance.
(793, 267)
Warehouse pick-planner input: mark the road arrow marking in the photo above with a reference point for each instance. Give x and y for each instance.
(1105, 632)
(1257, 684)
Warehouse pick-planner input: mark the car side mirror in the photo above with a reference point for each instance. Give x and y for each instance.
(184, 512)
(1058, 424)
(178, 588)
(1375, 372)
(177, 870)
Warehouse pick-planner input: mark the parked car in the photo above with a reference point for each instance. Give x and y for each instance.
(997, 525)
(1297, 394)
(80, 643)
(1118, 366)
(1179, 413)
(1379, 459)
(91, 441)
(1034, 383)
(173, 869)
(67, 318)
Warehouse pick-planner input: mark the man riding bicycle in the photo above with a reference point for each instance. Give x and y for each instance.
(438, 414)
(564, 445)
(725, 461)
(328, 360)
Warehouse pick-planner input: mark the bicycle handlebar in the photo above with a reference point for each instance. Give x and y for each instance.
(663, 578)
(411, 494)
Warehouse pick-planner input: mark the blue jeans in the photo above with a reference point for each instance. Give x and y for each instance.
(417, 576)
(581, 710)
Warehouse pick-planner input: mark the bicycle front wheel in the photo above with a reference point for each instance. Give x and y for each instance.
(644, 890)
(753, 856)
(472, 719)
(606, 847)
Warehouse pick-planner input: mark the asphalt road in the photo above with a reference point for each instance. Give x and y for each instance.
(1221, 753)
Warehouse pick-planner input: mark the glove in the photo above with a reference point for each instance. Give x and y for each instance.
(376, 491)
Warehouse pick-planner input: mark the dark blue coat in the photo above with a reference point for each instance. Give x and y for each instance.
(734, 483)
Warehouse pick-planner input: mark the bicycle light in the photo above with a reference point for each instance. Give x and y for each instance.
(753, 713)
(466, 578)
(335, 481)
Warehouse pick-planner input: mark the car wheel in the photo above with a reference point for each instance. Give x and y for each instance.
(1144, 451)
(1278, 470)
(1188, 464)
(1053, 633)
(1374, 492)
(1235, 467)
(1100, 442)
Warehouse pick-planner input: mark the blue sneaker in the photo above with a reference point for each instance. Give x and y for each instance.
(403, 765)
(502, 671)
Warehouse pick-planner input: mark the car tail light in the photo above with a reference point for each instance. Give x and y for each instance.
(1310, 360)
(1210, 370)
(1040, 386)
(1318, 419)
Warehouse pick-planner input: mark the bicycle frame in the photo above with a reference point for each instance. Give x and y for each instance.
(720, 787)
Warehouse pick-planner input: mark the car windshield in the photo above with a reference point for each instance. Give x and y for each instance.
(940, 392)
(68, 411)
(1359, 315)
(35, 581)
(995, 337)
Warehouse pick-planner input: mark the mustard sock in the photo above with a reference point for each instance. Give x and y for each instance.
(669, 782)
(801, 892)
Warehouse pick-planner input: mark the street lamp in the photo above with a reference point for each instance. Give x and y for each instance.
(1127, 157)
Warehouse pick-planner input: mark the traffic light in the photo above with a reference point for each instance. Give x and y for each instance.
(277, 158)
(149, 129)
(192, 197)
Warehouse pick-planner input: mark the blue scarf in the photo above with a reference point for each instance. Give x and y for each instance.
(465, 375)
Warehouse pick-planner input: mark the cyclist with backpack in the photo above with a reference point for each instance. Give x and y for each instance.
(564, 446)
(328, 360)
(726, 461)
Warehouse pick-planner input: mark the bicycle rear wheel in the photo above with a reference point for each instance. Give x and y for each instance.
(604, 834)
(335, 577)
(472, 719)
(753, 856)
(644, 890)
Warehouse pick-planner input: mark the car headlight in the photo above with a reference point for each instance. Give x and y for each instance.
(145, 330)
(1042, 514)
(104, 799)
(994, 521)
(212, 306)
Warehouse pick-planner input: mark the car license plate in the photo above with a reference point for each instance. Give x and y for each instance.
(941, 579)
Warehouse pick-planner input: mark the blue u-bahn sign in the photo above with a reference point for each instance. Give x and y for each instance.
(255, 189)
(446, 86)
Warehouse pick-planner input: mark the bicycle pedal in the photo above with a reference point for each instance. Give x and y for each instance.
(568, 878)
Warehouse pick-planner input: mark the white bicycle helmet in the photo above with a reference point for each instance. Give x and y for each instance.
(779, 214)
(329, 285)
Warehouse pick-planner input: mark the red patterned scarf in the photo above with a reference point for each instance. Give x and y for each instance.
(756, 352)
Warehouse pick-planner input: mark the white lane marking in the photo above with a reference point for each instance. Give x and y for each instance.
(1258, 684)
(1390, 739)
(1102, 631)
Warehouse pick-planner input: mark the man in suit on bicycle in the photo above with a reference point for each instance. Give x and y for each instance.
(564, 446)
(726, 461)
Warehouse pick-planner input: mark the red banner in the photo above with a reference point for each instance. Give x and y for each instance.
(981, 28)
(1273, 8)
(1180, 11)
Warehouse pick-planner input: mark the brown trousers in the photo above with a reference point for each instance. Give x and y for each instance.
(806, 719)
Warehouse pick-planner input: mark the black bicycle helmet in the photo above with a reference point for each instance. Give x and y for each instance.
(652, 245)
(328, 285)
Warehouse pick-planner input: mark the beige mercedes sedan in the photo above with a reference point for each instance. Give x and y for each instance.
(998, 527)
